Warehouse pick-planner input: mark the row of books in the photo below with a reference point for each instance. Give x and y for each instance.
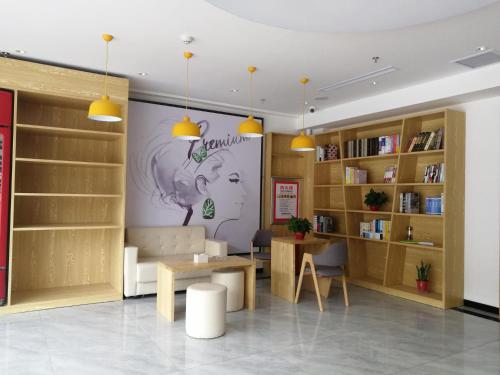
(434, 173)
(327, 152)
(389, 144)
(323, 224)
(355, 175)
(390, 174)
(377, 229)
(409, 203)
(434, 205)
(425, 141)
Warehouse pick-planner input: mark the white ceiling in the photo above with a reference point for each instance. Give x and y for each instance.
(147, 40)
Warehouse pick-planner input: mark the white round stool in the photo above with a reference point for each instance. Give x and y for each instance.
(206, 310)
(234, 280)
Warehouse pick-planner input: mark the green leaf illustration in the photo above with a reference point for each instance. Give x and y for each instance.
(208, 209)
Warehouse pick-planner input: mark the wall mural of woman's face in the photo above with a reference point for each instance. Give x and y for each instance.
(227, 191)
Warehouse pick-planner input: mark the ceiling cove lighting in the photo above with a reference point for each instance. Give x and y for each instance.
(186, 130)
(104, 109)
(361, 78)
(303, 142)
(251, 128)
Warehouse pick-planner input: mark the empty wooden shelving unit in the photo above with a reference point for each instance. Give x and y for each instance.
(67, 194)
(388, 265)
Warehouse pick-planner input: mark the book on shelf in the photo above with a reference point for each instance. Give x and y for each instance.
(426, 141)
(409, 203)
(390, 174)
(388, 144)
(327, 152)
(323, 224)
(377, 229)
(434, 205)
(434, 173)
(355, 175)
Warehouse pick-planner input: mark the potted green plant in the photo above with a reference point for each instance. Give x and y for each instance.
(299, 226)
(375, 199)
(423, 276)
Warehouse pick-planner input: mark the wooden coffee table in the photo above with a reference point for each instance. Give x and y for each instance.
(165, 298)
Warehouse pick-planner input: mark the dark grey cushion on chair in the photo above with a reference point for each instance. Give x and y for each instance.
(262, 256)
(335, 255)
(262, 238)
(329, 271)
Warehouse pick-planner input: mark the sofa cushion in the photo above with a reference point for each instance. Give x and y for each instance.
(161, 241)
(147, 270)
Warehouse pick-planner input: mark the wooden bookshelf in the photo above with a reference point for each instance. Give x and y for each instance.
(388, 265)
(68, 184)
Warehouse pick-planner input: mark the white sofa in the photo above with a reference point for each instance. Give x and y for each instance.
(146, 246)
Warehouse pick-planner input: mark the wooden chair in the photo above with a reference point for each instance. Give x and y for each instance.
(329, 264)
(261, 238)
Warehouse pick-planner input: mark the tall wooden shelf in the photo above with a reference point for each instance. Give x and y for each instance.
(389, 266)
(67, 194)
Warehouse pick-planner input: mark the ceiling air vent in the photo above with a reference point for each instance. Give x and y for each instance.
(361, 78)
(479, 60)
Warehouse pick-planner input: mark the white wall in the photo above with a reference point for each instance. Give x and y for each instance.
(482, 200)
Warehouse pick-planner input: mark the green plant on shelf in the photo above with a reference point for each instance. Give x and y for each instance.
(423, 271)
(375, 199)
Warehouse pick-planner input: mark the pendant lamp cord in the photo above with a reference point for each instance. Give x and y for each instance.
(106, 74)
(187, 85)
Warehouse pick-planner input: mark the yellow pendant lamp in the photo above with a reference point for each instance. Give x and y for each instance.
(251, 128)
(186, 130)
(104, 109)
(303, 142)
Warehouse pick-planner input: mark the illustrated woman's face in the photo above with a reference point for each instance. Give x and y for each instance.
(227, 190)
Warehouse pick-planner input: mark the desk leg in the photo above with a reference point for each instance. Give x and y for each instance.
(283, 270)
(165, 289)
(250, 287)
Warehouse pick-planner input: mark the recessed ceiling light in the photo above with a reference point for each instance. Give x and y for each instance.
(21, 51)
(374, 83)
(481, 48)
(235, 90)
(142, 74)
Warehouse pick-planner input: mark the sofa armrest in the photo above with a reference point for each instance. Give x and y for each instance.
(130, 270)
(216, 248)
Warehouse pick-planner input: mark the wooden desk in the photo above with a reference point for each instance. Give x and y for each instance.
(283, 263)
(165, 298)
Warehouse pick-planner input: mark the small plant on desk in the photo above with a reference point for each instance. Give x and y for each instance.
(423, 276)
(375, 199)
(299, 226)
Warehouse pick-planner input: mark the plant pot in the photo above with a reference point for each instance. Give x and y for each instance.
(423, 286)
(374, 208)
(299, 235)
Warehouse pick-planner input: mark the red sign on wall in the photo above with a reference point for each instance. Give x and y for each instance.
(285, 200)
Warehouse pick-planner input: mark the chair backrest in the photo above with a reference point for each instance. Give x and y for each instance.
(333, 255)
(262, 238)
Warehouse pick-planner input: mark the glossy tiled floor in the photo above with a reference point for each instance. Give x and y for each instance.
(378, 334)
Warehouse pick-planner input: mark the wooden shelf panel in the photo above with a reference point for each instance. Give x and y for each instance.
(418, 153)
(419, 215)
(367, 282)
(79, 133)
(329, 209)
(419, 184)
(66, 227)
(374, 157)
(369, 185)
(333, 161)
(62, 296)
(330, 234)
(412, 293)
(329, 186)
(63, 195)
(296, 155)
(369, 212)
(366, 239)
(69, 162)
(417, 246)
